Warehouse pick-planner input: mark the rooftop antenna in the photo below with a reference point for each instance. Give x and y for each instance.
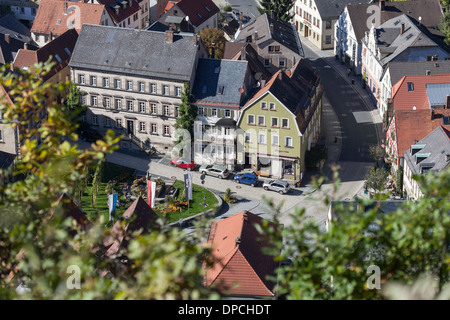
(420, 19)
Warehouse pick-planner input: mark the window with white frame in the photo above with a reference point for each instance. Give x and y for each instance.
(118, 123)
(178, 91)
(274, 122)
(1, 135)
(275, 140)
(118, 103)
(227, 113)
(271, 106)
(262, 138)
(94, 101)
(166, 90)
(153, 108)
(285, 123)
(251, 119)
(282, 62)
(154, 128)
(166, 111)
(81, 79)
(129, 85)
(142, 126)
(263, 105)
(261, 121)
(130, 105)
(107, 102)
(117, 84)
(141, 106)
(247, 137)
(93, 81)
(107, 122)
(141, 87)
(166, 130)
(288, 142)
(200, 111)
(106, 82)
(214, 112)
(153, 88)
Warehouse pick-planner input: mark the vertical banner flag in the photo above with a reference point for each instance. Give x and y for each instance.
(112, 200)
(188, 185)
(151, 190)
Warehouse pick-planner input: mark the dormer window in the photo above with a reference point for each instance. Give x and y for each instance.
(205, 87)
(410, 86)
(216, 69)
(220, 90)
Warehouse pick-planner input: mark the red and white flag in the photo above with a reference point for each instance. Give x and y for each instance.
(151, 188)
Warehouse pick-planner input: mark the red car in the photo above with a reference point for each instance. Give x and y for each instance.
(183, 164)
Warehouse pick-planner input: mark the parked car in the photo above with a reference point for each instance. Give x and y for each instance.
(213, 170)
(90, 135)
(276, 185)
(247, 178)
(245, 19)
(183, 163)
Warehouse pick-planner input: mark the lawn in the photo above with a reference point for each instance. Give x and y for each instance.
(123, 174)
(199, 195)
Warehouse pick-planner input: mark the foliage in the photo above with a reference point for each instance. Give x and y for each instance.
(36, 250)
(376, 179)
(96, 182)
(210, 36)
(376, 152)
(228, 197)
(281, 9)
(187, 113)
(406, 245)
(227, 8)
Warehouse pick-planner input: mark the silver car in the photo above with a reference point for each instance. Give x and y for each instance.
(279, 186)
(214, 170)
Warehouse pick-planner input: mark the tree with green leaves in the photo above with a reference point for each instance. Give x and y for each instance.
(187, 114)
(39, 246)
(376, 179)
(214, 41)
(280, 9)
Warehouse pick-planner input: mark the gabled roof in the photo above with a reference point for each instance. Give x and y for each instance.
(292, 88)
(138, 52)
(434, 154)
(71, 210)
(284, 33)
(428, 10)
(237, 251)
(391, 42)
(138, 216)
(198, 11)
(333, 8)
(59, 49)
(9, 48)
(125, 8)
(11, 23)
(247, 51)
(53, 17)
(215, 74)
(411, 91)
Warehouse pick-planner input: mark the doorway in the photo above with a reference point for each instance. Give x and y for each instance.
(130, 127)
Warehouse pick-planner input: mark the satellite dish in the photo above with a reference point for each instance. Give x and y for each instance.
(187, 18)
(420, 18)
(258, 84)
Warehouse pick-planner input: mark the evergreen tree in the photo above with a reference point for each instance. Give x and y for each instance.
(187, 113)
(281, 9)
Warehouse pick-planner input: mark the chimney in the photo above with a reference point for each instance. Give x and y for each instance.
(25, 46)
(280, 75)
(263, 83)
(434, 57)
(50, 36)
(447, 102)
(245, 215)
(256, 34)
(447, 157)
(238, 240)
(271, 27)
(196, 39)
(402, 28)
(243, 54)
(7, 38)
(213, 50)
(169, 36)
(382, 4)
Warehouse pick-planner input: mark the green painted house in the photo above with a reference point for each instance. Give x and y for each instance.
(281, 122)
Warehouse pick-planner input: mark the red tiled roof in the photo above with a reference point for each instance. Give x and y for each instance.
(123, 13)
(403, 99)
(414, 125)
(62, 47)
(50, 16)
(197, 10)
(240, 268)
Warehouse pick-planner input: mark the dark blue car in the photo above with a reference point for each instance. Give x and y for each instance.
(246, 178)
